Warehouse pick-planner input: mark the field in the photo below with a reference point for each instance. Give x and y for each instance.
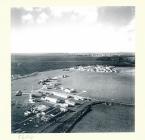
(114, 87)
(104, 118)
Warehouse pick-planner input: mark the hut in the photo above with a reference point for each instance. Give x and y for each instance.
(51, 99)
(19, 93)
(60, 94)
(70, 102)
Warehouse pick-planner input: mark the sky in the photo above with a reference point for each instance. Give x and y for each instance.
(72, 29)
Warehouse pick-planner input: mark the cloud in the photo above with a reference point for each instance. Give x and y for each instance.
(27, 19)
(116, 15)
(29, 9)
(83, 29)
(42, 18)
(55, 15)
(77, 14)
(110, 15)
(88, 14)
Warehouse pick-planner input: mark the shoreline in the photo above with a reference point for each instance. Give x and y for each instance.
(18, 76)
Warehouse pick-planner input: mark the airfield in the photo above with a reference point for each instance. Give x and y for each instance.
(111, 108)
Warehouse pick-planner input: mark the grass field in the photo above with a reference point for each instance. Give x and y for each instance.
(104, 118)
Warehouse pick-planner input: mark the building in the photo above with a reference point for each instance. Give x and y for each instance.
(61, 88)
(63, 109)
(70, 102)
(19, 93)
(73, 90)
(67, 90)
(30, 98)
(51, 99)
(62, 105)
(65, 76)
(60, 94)
(54, 78)
(44, 87)
(47, 86)
(36, 94)
(41, 108)
(76, 97)
(27, 113)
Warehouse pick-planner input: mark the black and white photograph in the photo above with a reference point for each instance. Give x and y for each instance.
(73, 69)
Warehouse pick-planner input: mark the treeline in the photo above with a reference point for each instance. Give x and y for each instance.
(119, 60)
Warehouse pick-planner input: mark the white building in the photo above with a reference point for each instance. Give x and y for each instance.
(61, 88)
(67, 90)
(70, 102)
(41, 108)
(30, 98)
(51, 99)
(76, 97)
(44, 87)
(60, 94)
(27, 113)
(63, 109)
(63, 105)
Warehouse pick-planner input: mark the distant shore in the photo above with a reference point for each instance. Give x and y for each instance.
(29, 63)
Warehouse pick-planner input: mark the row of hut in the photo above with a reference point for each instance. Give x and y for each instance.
(95, 68)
